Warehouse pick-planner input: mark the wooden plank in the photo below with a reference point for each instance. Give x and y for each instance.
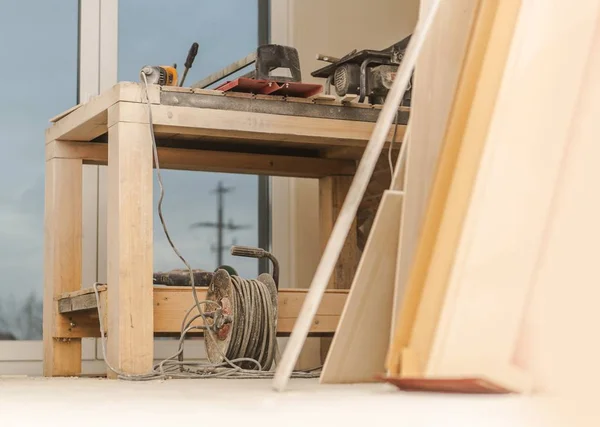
(342, 226)
(84, 303)
(433, 93)
(240, 125)
(171, 303)
(469, 123)
(360, 344)
(500, 248)
(213, 161)
(459, 162)
(79, 292)
(129, 252)
(569, 256)
(62, 261)
(323, 98)
(64, 113)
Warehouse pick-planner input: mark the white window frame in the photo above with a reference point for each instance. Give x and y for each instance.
(97, 41)
(98, 65)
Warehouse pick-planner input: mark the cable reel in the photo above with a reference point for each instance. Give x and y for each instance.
(242, 315)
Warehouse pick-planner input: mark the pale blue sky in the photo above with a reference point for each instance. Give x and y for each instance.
(38, 88)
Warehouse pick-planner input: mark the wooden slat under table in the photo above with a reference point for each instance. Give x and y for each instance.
(80, 310)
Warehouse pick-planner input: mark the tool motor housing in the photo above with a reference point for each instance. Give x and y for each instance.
(162, 75)
(379, 79)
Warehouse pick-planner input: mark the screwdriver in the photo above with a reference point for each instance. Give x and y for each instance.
(189, 61)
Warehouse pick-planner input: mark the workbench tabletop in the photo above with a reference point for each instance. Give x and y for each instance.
(233, 122)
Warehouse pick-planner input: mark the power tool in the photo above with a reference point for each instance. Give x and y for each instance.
(365, 73)
(165, 75)
(162, 75)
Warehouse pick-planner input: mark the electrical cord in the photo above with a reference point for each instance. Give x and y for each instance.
(393, 142)
(250, 295)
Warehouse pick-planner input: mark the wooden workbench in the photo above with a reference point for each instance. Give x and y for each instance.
(195, 130)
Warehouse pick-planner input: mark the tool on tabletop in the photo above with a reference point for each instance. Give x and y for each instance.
(189, 61)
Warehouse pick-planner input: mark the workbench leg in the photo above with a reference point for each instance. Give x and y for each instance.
(129, 248)
(332, 192)
(62, 260)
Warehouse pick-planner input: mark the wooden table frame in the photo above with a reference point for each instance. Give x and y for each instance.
(113, 129)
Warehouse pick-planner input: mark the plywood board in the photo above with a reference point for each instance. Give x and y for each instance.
(506, 225)
(458, 166)
(433, 93)
(411, 293)
(566, 277)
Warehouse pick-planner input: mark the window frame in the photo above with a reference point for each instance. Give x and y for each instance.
(94, 28)
(97, 72)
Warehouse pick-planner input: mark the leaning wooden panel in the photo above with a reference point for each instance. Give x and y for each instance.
(459, 162)
(567, 275)
(435, 80)
(501, 241)
(359, 346)
(411, 295)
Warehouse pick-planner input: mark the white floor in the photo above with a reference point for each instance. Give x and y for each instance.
(242, 403)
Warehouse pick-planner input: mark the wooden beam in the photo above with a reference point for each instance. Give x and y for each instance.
(90, 119)
(62, 261)
(129, 252)
(241, 125)
(213, 161)
(171, 303)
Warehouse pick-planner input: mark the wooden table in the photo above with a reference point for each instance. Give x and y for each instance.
(196, 130)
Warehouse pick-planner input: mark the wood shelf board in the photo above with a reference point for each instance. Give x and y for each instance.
(213, 161)
(79, 310)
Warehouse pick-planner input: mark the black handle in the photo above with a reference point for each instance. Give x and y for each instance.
(247, 251)
(252, 252)
(191, 55)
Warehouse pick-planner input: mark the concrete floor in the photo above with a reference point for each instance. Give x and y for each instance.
(199, 403)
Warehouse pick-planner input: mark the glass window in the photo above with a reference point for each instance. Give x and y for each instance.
(38, 58)
(225, 31)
